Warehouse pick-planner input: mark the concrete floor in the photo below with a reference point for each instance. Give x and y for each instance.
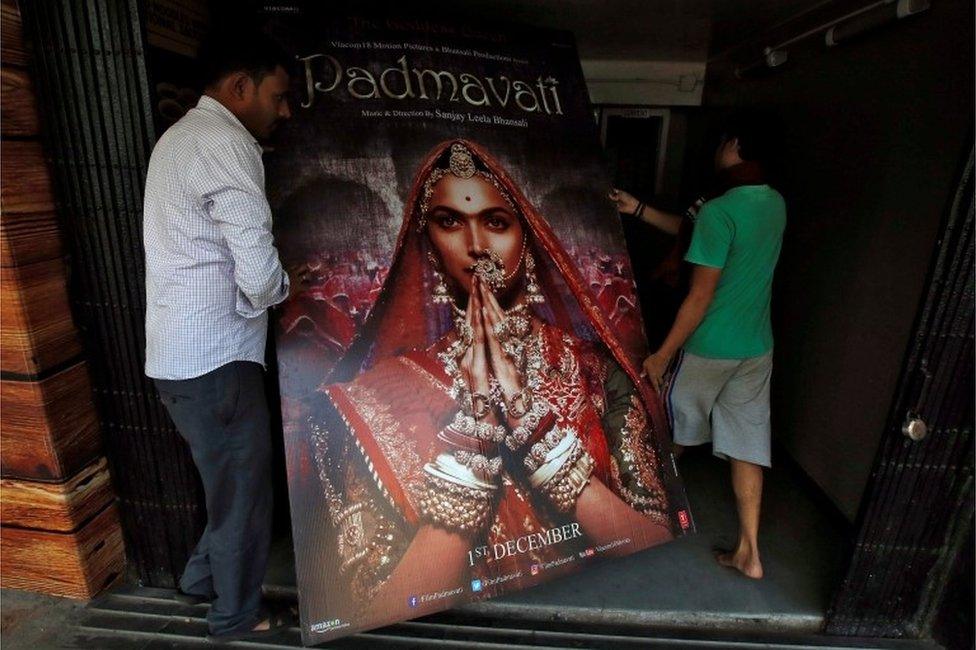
(803, 543)
(31, 621)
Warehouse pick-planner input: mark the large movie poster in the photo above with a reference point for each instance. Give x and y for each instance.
(463, 409)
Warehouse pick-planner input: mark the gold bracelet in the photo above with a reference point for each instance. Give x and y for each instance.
(564, 489)
(447, 467)
(523, 432)
(557, 461)
(483, 467)
(540, 450)
(455, 507)
(467, 425)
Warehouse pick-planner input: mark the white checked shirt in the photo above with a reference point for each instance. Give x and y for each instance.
(212, 269)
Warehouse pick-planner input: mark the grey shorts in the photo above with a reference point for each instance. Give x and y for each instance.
(722, 401)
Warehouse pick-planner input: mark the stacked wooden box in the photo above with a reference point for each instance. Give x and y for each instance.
(59, 526)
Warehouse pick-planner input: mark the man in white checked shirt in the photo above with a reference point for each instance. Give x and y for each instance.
(212, 272)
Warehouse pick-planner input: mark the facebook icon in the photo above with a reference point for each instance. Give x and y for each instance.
(413, 601)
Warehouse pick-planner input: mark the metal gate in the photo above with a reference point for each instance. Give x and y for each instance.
(918, 507)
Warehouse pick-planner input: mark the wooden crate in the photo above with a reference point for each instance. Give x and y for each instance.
(18, 110)
(12, 50)
(25, 185)
(76, 565)
(37, 331)
(58, 507)
(50, 429)
(28, 237)
(59, 524)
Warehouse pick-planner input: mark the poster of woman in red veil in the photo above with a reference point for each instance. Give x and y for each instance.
(463, 410)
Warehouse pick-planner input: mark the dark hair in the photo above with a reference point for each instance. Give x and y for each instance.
(757, 134)
(229, 51)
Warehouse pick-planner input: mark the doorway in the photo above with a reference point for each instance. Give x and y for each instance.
(635, 140)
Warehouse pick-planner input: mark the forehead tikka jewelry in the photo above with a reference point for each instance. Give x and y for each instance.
(460, 164)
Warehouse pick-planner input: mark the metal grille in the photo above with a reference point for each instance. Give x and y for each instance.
(93, 93)
(918, 506)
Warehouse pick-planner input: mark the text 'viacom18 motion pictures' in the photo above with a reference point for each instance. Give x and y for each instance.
(463, 410)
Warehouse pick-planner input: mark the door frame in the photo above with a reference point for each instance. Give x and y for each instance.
(642, 112)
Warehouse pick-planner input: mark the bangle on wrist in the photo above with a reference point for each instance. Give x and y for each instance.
(471, 460)
(455, 506)
(447, 468)
(481, 466)
(565, 490)
(540, 450)
(466, 426)
(529, 426)
(564, 473)
(563, 453)
(457, 493)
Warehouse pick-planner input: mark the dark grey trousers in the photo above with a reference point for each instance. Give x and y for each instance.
(223, 416)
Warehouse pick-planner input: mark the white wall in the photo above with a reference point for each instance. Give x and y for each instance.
(649, 83)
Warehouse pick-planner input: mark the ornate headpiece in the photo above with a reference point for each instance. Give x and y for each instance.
(460, 163)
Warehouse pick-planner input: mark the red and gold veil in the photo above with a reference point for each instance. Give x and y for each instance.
(404, 317)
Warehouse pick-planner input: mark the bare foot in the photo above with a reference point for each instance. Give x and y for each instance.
(262, 626)
(745, 562)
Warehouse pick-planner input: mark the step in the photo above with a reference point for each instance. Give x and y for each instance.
(139, 617)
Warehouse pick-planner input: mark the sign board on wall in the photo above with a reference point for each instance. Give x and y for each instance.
(176, 25)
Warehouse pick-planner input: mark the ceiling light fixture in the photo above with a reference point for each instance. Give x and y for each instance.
(771, 59)
(835, 32)
(881, 14)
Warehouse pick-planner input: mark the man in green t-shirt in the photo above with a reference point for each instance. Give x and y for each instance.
(720, 345)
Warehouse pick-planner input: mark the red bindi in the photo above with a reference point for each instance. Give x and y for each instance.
(467, 198)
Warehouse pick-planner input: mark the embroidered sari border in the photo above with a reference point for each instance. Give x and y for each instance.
(379, 467)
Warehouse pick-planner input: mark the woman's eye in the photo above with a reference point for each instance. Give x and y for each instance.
(497, 223)
(447, 220)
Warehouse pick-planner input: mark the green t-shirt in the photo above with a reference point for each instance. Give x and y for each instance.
(741, 233)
